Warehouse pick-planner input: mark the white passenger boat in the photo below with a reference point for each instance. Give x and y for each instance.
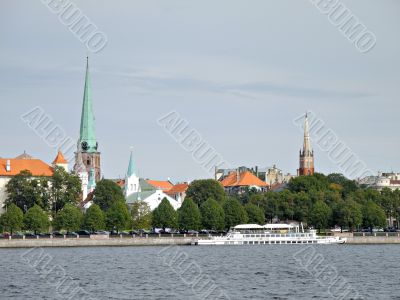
(254, 234)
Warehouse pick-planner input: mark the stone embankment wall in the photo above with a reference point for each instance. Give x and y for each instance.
(86, 242)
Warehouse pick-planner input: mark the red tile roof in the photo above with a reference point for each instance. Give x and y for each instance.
(178, 188)
(162, 185)
(60, 159)
(245, 179)
(35, 166)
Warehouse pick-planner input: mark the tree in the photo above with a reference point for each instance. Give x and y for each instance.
(65, 188)
(189, 215)
(320, 215)
(94, 218)
(200, 190)
(255, 214)
(164, 216)
(234, 213)
(350, 215)
(117, 216)
(141, 215)
(106, 193)
(316, 182)
(12, 219)
(69, 218)
(212, 215)
(36, 220)
(20, 191)
(373, 215)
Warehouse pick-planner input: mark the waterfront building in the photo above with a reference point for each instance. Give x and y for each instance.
(87, 148)
(10, 167)
(271, 175)
(164, 185)
(238, 182)
(390, 180)
(306, 165)
(178, 191)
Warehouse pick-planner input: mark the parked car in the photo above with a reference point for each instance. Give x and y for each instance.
(192, 232)
(102, 232)
(30, 236)
(144, 231)
(204, 231)
(17, 235)
(57, 234)
(71, 234)
(390, 229)
(83, 233)
(44, 235)
(377, 229)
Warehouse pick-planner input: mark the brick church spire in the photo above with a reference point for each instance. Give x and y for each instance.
(87, 143)
(306, 166)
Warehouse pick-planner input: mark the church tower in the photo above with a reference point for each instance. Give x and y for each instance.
(87, 143)
(306, 154)
(131, 179)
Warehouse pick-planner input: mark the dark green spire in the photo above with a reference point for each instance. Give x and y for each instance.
(87, 137)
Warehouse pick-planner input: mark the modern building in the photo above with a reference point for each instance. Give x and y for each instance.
(306, 165)
(10, 167)
(87, 153)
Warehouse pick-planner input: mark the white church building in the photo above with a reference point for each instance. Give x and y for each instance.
(137, 189)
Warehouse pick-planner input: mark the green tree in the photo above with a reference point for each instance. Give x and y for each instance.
(212, 215)
(255, 214)
(164, 216)
(141, 215)
(373, 215)
(189, 215)
(94, 218)
(65, 188)
(36, 220)
(316, 182)
(69, 218)
(20, 191)
(320, 215)
(12, 219)
(350, 215)
(118, 217)
(200, 190)
(234, 213)
(106, 193)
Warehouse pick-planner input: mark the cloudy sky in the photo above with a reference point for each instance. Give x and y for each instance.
(239, 72)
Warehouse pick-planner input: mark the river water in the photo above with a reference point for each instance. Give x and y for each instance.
(195, 272)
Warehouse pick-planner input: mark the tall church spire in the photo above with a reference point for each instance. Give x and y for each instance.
(87, 137)
(131, 167)
(87, 156)
(307, 143)
(306, 166)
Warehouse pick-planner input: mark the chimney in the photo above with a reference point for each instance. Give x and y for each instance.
(237, 175)
(257, 171)
(8, 166)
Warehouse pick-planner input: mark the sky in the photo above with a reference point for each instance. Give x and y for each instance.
(238, 72)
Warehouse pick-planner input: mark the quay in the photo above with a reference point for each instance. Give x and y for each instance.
(158, 240)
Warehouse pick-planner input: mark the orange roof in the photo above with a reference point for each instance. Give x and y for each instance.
(35, 166)
(162, 185)
(178, 188)
(245, 179)
(60, 159)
